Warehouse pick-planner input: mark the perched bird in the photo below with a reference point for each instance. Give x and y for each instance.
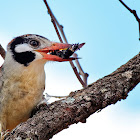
(22, 77)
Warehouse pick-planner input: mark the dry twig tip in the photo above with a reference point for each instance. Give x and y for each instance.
(133, 12)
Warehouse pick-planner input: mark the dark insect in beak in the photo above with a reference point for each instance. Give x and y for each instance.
(59, 51)
(66, 53)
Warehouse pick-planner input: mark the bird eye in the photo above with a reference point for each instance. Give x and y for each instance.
(34, 43)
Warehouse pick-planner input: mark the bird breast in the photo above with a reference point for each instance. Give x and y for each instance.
(20, 93)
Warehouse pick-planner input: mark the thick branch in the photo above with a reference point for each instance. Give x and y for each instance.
(79, 105)
(2, 52)
(133, 12)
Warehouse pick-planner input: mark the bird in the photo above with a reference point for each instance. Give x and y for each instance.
(22, 76)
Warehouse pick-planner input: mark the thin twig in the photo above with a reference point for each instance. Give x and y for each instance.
(133, 12)
(125, 6)
(55, 22)
(81, 72)
(2, 52)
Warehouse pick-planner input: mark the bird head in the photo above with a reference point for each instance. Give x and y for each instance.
(28, 48)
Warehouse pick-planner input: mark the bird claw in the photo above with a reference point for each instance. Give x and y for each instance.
(47, 96)
(44, 102)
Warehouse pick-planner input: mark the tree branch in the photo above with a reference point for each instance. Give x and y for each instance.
(79, 105)
(60, 27)
(134, 13)
(2, 52)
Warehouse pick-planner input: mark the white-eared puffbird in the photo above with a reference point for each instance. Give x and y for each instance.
(22, 77)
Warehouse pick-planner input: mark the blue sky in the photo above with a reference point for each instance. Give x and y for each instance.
(111, 36)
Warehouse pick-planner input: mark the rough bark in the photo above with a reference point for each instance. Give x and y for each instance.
(79, 105)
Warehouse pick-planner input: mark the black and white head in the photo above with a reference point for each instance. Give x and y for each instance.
(29, 48)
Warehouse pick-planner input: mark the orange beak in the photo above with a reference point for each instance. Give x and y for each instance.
(46, 52)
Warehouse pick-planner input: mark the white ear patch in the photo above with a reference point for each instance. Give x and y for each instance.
(38, 55)
(22, 48)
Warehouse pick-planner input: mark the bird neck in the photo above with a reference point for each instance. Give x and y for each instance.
(17, 70)
(20, 76)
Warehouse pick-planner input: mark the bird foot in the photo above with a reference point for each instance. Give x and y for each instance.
(47, 96)
(44, 103)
